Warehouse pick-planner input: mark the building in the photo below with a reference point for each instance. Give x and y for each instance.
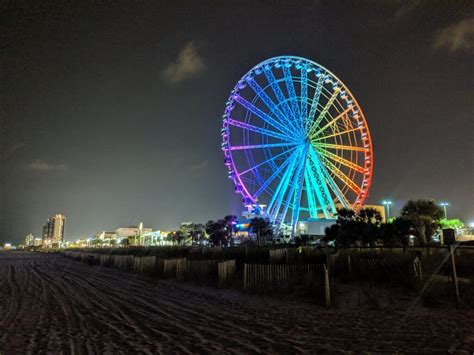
(8, 246)
(104, 235)
(133, 231)
(53, 232)
(380, 209)
(28, 241)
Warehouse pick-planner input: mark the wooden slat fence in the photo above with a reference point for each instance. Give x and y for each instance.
(283, 276)
(170, 268)
(105, 260)
(144, 264)
(278, 256)
(123, 262)
(201, 270)
(384, 266)
(226, 273)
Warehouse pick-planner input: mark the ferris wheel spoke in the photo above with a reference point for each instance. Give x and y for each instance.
(304, 95)
(293, 100)
(341, 176)
(336, 134)
(296, 182)
(321, 188)
(260, 130)
(277, 198)
(260, 146)
(315, 102)
(316, 188)
(330, 123)
(341, 147)
(337, 191)
(266, 161)
(270, 104)
(281, 98)
(277, 172)
(299, 188)
(341, 160)
(312, 209)
(324, 112)
(262, 115)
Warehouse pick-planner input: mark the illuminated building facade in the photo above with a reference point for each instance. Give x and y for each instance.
(53, 232)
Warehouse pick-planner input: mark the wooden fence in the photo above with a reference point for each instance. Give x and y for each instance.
(171, 268)
(280, 276)
(226, 273)
(204, 271)
(278, 256)
(105, 260)
(122, 262)
(144, 264)
(403, 268)
(288, 277)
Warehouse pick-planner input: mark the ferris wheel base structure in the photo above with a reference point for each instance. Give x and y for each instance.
(296, 143)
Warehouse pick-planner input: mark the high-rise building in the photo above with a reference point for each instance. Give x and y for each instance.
(29, 240)
(53, 231)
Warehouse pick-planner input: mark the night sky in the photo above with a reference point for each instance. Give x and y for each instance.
(111, 111)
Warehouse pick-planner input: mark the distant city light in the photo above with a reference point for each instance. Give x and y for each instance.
(387, 204)
(444, 205)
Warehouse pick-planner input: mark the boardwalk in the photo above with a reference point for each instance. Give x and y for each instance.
(52, 304)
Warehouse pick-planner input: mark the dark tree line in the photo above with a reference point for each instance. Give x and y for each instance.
(419, 218)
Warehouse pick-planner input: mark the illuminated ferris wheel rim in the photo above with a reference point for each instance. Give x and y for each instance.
(341, 93)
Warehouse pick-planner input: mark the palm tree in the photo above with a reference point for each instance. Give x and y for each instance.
(217, 232)
(197, 232)
(424, 216)
(261, 227)
(230, 222)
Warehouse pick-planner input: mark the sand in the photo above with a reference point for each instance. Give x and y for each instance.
(51, 304)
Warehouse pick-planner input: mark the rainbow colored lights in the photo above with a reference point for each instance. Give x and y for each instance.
(296, 140)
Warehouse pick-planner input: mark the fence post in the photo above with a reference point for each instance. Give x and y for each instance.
(327, 290)
(245, 273)
(454, 274)
(326, 250)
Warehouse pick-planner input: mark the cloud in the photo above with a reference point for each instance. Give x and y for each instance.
(407, 8)
(457, 37)
(188, 64)
(42, 166)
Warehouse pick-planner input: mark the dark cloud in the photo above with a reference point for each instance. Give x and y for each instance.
(406, 8)
(188, 64)
(456, 37)
(42, 166)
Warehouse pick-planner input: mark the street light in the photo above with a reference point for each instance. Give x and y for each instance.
(444, 205)
(387, 204)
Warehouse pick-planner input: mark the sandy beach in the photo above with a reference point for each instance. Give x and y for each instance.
(52, 304)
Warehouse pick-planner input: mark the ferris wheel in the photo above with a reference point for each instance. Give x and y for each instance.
(295, 140)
